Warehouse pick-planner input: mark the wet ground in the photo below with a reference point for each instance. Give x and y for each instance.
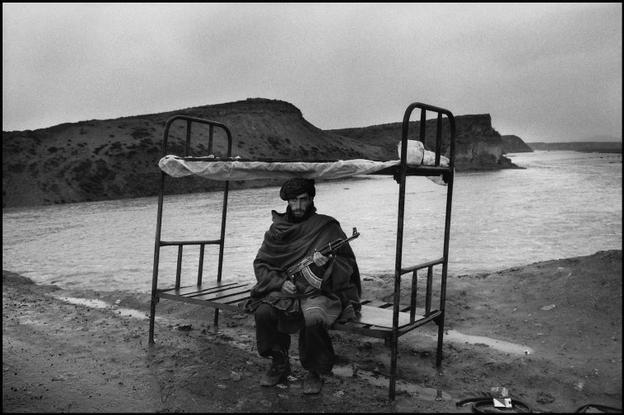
(549, 332)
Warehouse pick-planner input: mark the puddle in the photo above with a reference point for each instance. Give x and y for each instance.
(86, 302)
(500, 345)
(420, 392)
(92, 303)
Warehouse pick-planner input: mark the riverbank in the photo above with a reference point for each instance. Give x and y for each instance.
(551, 332)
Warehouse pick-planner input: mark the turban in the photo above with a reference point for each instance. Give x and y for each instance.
(294, 187)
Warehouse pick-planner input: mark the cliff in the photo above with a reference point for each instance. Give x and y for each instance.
(117, 158)
(514, 144)
(478, 145)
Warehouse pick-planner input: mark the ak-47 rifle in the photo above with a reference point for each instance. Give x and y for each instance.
(329, 249)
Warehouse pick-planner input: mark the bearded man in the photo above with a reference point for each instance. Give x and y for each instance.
(313, 299)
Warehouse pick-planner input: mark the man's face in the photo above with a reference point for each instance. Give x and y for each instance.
(299, 205)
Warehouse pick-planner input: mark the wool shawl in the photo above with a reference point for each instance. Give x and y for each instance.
(287, 242)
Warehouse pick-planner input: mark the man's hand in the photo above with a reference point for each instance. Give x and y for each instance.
(319, 259)
(288, 287)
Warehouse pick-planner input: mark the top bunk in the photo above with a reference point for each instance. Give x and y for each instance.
(414, 159)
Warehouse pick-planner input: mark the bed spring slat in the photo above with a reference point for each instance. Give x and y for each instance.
(191, 289)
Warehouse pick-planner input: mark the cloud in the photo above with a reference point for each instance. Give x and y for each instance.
(541, 70)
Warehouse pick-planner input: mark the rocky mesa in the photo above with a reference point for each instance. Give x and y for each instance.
(514, 144)
(478, 145)
(117, 158)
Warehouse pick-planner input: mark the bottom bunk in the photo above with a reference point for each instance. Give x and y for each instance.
(375, 319)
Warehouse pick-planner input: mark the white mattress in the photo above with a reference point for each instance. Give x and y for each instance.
(249, 170)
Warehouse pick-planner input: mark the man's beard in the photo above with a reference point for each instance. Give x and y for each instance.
(310, 210)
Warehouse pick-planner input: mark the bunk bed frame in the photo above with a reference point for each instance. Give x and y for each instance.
(379, 319)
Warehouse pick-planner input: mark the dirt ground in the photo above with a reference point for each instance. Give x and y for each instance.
(551, 334)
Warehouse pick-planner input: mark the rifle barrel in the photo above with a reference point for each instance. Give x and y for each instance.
(331, 247)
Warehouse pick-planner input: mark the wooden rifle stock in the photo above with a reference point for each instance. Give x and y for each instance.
(329, 249)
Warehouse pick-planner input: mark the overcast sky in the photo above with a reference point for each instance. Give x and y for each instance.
(545, 72)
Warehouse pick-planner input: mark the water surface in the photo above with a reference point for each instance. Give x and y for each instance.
(562, 204)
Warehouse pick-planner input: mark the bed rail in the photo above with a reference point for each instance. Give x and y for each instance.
(189, 121)
(448, 175)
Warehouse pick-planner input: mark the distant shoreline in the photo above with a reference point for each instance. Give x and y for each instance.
(581, 146)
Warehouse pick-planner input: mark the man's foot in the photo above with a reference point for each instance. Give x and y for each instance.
(312, 383)
(278, 372)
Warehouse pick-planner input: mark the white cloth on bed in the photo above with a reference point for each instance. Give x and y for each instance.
(248, 170)
(245, 170)
(417, 155)
(415, 152)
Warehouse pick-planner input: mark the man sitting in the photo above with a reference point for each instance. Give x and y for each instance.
(310, 301)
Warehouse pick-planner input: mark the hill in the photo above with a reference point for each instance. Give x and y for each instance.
(117, 158)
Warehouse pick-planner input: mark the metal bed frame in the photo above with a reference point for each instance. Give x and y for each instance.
(379, 319)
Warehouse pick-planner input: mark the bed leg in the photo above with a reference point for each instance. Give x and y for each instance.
(440, 340)
(216, 320)
(151, 322)
(393, 366)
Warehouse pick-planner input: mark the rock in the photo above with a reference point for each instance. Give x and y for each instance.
(187, 327)
(544, 398)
